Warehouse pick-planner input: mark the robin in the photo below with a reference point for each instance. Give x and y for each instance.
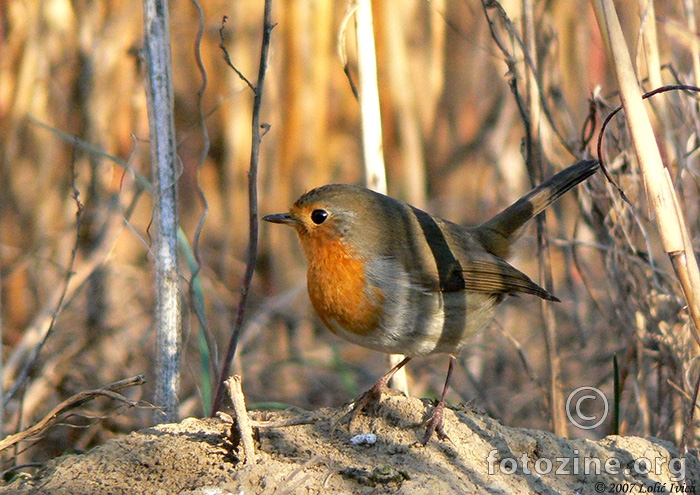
(388, 276)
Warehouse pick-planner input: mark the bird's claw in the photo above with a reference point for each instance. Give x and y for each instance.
(434, 424)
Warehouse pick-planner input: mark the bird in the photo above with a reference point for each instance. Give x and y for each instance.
(390, 277)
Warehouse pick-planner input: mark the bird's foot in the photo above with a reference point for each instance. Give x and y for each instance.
(371, 398)
(434, 424)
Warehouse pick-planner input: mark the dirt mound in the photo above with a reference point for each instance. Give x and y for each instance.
(315, 453)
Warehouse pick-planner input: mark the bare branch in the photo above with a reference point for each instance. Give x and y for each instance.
(258, 131)
(57, 413)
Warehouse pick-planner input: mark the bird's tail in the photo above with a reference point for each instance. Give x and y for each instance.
(499, 233)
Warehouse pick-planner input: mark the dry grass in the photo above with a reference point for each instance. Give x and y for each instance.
(75, 68)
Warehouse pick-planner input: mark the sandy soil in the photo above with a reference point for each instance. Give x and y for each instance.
(316, 455)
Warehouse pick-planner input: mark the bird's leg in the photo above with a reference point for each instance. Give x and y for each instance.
(434, 422)
(374, 394)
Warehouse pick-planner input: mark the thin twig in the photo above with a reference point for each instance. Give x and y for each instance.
(242, 421)
(691, 416)
(531, 111)
(227, 58)
(604, 125)
(110, 391)
(535, 165)
(253, 206)
(209, 365)
(34, 354)
(287, 486)
(494, 4)
(529, 370)
(672, 226)
(283, 423)
(663, 199)
(691, 14)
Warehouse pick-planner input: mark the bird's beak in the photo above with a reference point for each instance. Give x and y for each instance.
(285, 218)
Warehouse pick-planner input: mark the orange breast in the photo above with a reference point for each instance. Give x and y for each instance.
(336, 283)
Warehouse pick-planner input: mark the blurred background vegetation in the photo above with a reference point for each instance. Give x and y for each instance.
(73, 121)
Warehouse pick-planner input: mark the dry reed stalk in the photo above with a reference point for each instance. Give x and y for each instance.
(372, 145)
(657, 181)
(672, 227)
(535, 157)
(691, 18)
(434, 82)
(375, 171)
(652, 61)
(403, 93)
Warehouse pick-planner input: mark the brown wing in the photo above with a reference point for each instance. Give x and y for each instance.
(462, 262)
(499, 277)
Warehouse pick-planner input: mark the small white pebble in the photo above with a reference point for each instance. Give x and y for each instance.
(364, 439)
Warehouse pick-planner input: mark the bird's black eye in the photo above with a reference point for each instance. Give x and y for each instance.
(319, 216)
